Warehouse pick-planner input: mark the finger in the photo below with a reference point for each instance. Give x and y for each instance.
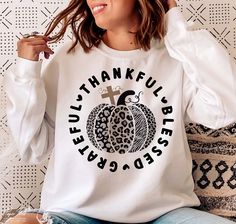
(43, 48)
(29, 39)
(46, 38)
(37, 42)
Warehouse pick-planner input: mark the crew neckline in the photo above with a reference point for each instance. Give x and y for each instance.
(126, 54)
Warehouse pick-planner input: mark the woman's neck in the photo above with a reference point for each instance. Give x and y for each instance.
(123, 41)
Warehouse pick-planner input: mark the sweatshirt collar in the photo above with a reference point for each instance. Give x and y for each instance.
(103, 48)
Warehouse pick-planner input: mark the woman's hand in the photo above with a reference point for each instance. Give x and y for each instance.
(30, 48)
(171, 3)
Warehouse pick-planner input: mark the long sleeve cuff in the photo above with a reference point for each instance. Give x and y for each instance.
(27, 69)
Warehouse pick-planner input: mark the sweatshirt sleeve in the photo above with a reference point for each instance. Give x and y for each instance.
(29, 115)
(209, 87)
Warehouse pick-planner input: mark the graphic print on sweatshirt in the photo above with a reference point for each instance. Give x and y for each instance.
(126, 126)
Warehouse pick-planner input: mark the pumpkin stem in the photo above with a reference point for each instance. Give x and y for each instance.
(121, 100)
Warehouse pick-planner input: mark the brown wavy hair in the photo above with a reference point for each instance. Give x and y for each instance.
(79, 17)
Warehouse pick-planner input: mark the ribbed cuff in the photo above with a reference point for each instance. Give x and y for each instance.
(174, 19)
(28, 69)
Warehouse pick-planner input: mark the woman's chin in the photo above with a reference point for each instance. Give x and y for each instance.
(101, 24)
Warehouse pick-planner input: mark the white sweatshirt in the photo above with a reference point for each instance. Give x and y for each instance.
(113, 121)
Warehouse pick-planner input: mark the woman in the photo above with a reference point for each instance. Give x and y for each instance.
(112, 112)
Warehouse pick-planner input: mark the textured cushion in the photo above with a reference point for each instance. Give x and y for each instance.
(214, 167)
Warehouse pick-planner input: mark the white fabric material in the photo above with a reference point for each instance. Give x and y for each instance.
(49, 111)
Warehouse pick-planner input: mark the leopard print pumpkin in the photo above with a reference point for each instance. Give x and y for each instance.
(122, 128)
